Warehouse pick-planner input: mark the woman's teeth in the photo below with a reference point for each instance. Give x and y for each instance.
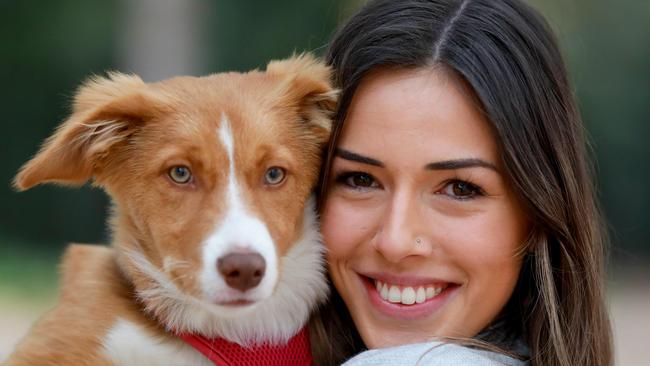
(407, 295)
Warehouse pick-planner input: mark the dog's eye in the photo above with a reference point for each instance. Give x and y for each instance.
(180, 174)
(274, 176)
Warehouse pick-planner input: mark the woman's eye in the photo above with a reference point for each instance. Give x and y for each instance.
(274, 176)
(459, 189)
(180, 174)
(358, 180)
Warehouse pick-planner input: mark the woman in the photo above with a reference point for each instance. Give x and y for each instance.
(456, 198)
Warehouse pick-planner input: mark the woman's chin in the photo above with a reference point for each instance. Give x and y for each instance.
(382, 323)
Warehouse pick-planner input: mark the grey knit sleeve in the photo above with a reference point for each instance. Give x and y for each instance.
(432, 354)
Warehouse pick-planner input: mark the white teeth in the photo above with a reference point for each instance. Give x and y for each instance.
(407, 295)
(394, 294)
(384, 292)
(420, 296)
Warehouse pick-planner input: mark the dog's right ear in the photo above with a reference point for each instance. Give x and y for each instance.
(308, 89)
(106, 112)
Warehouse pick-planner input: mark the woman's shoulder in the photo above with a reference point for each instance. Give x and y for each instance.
(431, 354)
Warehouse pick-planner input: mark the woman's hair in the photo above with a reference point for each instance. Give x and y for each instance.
(505, 51)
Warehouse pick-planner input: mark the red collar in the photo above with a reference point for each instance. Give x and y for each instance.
(225, 353)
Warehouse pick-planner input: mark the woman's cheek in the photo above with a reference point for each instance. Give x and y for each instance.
(488, 253)
(341, 225)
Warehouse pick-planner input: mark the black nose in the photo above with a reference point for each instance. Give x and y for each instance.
(242, 271)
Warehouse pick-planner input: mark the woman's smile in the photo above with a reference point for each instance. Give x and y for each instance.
(423, 233)
(407, 298)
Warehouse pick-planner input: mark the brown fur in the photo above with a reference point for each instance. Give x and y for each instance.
(93, 295)
(125, 135)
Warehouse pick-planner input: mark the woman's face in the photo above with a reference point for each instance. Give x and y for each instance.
(422, 228)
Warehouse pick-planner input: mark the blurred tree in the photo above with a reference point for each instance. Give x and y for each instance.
(48, 48)
(607, 46)
(160, 39)
(247, 34)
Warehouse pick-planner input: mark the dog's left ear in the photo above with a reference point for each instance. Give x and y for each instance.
(106, 112)
(308, 87)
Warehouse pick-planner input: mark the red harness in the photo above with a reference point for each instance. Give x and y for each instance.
(225, 353)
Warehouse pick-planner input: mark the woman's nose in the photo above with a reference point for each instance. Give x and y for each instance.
(399, 235)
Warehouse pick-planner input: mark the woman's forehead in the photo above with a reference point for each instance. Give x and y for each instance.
(417, 112)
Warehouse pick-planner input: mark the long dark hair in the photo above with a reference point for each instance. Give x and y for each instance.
(507, 53)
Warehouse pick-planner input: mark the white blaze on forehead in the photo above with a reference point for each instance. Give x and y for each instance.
(239, 230)
(225, 134)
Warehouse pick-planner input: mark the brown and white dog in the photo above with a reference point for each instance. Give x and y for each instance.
(213, 225)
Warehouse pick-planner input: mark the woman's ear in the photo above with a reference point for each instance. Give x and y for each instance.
(308, 88)
(106, 112)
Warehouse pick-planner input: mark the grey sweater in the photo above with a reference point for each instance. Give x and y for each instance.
(432, 354)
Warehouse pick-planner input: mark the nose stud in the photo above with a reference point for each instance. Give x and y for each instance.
(418, 241)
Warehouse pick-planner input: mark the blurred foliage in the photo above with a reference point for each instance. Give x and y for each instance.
(48, 48)
(245, 35)
(27, 276)
(607, 47)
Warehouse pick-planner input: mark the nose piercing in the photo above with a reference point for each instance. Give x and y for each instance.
(418, 241)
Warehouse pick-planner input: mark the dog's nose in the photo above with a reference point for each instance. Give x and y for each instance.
(242, 271)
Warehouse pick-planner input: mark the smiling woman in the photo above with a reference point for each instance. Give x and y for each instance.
(409, 200)
(456, 200)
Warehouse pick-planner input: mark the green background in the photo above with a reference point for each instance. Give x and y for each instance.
(47, 48)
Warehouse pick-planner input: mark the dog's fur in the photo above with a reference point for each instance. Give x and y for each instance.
(122, 305)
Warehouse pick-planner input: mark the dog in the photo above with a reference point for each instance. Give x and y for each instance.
(215, 242)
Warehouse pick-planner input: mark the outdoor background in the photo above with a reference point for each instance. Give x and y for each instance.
(47, 48)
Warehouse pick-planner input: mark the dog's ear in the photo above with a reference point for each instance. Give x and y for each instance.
(106, 112)
(307, 86)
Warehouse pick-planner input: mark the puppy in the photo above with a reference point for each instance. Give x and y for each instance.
(215, 243)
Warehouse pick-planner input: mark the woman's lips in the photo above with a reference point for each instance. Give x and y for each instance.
(404, 299)
(408, 295)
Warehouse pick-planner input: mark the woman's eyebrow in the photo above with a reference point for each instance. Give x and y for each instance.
(349, 155)
(460, 164)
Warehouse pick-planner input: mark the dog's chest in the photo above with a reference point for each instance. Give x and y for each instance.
(129, 344)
